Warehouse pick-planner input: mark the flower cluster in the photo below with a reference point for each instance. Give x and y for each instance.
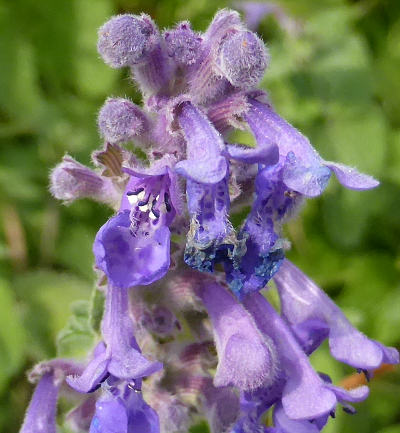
(186, 332)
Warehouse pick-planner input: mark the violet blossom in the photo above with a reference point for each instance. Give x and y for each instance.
(169, 259)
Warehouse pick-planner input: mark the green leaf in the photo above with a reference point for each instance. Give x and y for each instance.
(77, 337)
(45, 295)
(96, 309)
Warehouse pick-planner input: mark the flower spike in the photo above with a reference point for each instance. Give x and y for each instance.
(197, 233)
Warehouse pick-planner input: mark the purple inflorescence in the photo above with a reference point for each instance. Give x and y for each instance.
(169, 259)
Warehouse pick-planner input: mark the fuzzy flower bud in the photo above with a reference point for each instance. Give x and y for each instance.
(71, 180)
(243, 59)
(183, 44)
(120, 121)
(127, 40)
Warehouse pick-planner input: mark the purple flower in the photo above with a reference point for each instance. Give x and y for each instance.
(204, 163)
(313, 317)
(205, 82)
(119, 354)
(80, 417)
(283, 424)
(161, 321)
(304, 394)
(172, 413)
(221, 408)
(259, 260)
(206, 188)
(41, 414)
(133, 247)
(121, 409)
(246, 359)
(127, 40)
(304, 171)
(211, 234)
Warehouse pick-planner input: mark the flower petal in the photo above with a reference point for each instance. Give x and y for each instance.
(130, 260)
(204, 162)
(309, 181)
(126, 361)
(41, 414)
(110, 417)
(351, 178)
(284, 424)
(355, 395)
(304, 395)
(94, 373)
(267, 155)
(211, 234)
(245, 358)
(302, 300)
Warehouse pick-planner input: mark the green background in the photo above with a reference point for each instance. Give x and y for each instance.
(337, 80)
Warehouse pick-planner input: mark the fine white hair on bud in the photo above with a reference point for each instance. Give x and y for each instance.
(126, 40)
(120, 120)
(243, 59)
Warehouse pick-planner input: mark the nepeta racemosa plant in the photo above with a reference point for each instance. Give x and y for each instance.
(186, 332)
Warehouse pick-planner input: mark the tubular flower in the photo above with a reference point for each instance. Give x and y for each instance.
(170, 260)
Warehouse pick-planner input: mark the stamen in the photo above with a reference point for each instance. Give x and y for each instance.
(136, 196)
(167, 202)
(153, 216)
(144, 207)
(136, 192)
(349, 409)
(144, 200)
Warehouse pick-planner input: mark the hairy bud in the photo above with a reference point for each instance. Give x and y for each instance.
(126, 40)
(120, 120)
(183, 44)
(243, 59)
(71, 180)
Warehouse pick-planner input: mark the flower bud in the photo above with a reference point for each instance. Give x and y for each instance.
(182, 44)
(120, 121)
(71, 180)
(127, 40)
(243, 59)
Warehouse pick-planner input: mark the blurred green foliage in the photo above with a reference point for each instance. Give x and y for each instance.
(337, 80)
